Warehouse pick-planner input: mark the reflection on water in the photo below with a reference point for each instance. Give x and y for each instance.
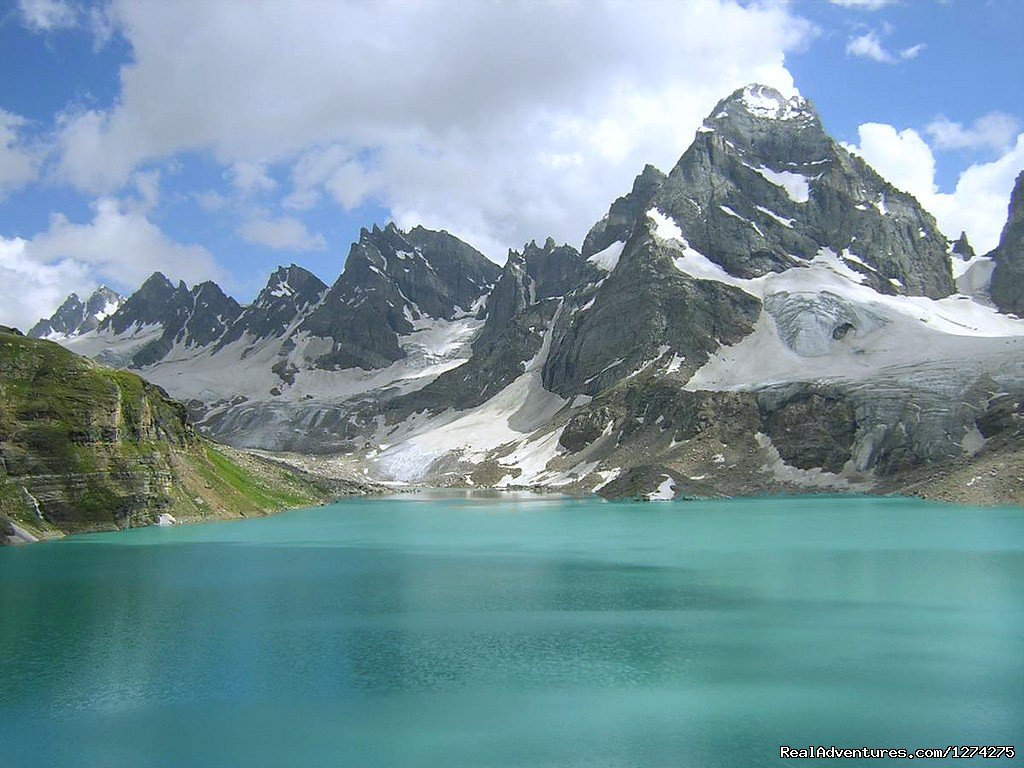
(520, 631)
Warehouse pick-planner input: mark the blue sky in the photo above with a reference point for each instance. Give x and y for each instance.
(220, 139)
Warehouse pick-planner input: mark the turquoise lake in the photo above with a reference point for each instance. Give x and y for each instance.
(524, 631)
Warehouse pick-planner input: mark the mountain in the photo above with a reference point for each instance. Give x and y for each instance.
(289, 293)
(392, 280)
(74, 317)
(771, 315)
(84, 447)
(1008, 257)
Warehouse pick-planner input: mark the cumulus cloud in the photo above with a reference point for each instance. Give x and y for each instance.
(869, 46)
(47, 15)
(976, 206)
(283, 234)
(18, 165)
(995, 131)
(33, 289)
(563, 104)
(120, 245)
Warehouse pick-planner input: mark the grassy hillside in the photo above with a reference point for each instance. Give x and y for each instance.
(84, 447)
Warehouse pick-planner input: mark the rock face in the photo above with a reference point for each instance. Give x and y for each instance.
(1007, 289)
(645, 312)
(391, 280)
(519, 311)
(75, 317)
(289, 293)
(83, 447)
(763, 188)
(962, 247)
(617, 225)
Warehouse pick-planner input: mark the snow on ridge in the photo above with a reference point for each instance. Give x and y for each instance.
(608, 258)
(764, 102)
(794, 184)
(783, 221)
(283, 288)
(691, 262)
(665, 228)
(108, 309)
(511, 416)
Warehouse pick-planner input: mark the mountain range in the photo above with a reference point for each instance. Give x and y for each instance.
(771, 315)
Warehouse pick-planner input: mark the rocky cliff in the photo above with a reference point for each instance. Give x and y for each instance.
(84, 447)
(1007, 288)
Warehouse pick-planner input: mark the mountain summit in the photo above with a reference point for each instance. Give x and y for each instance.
(75, 317)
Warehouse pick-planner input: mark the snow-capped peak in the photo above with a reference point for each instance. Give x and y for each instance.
(766, 102)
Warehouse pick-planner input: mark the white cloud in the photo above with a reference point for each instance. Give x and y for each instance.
(902, 157)
(119, 245)
(864, 5)
(563, 104)
(47, 15)
(282, 234)
(147, 184)
(912, 51)
(32, 289)
(995, 130)
(251, 178)
(18, 165)
(976, 206)
(869, 46)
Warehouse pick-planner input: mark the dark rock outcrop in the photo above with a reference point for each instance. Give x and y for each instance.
(617, 225)
(643, 312)
(1007, 289)
(962, 247)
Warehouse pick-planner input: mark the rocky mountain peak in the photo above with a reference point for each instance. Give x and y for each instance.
(392, 280)
(764, 103)
(617, 224)
(75, 317)
(962, 247)
(157, 302)
(289, 293)
(763, 188)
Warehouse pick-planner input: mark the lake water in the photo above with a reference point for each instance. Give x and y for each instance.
(517, 632)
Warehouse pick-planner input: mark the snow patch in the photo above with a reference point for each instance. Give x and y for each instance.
(608, 259)
(794, 184)
(666, 491)
(783, 221)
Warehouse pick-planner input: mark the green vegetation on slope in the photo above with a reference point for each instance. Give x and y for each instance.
(84, 447)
